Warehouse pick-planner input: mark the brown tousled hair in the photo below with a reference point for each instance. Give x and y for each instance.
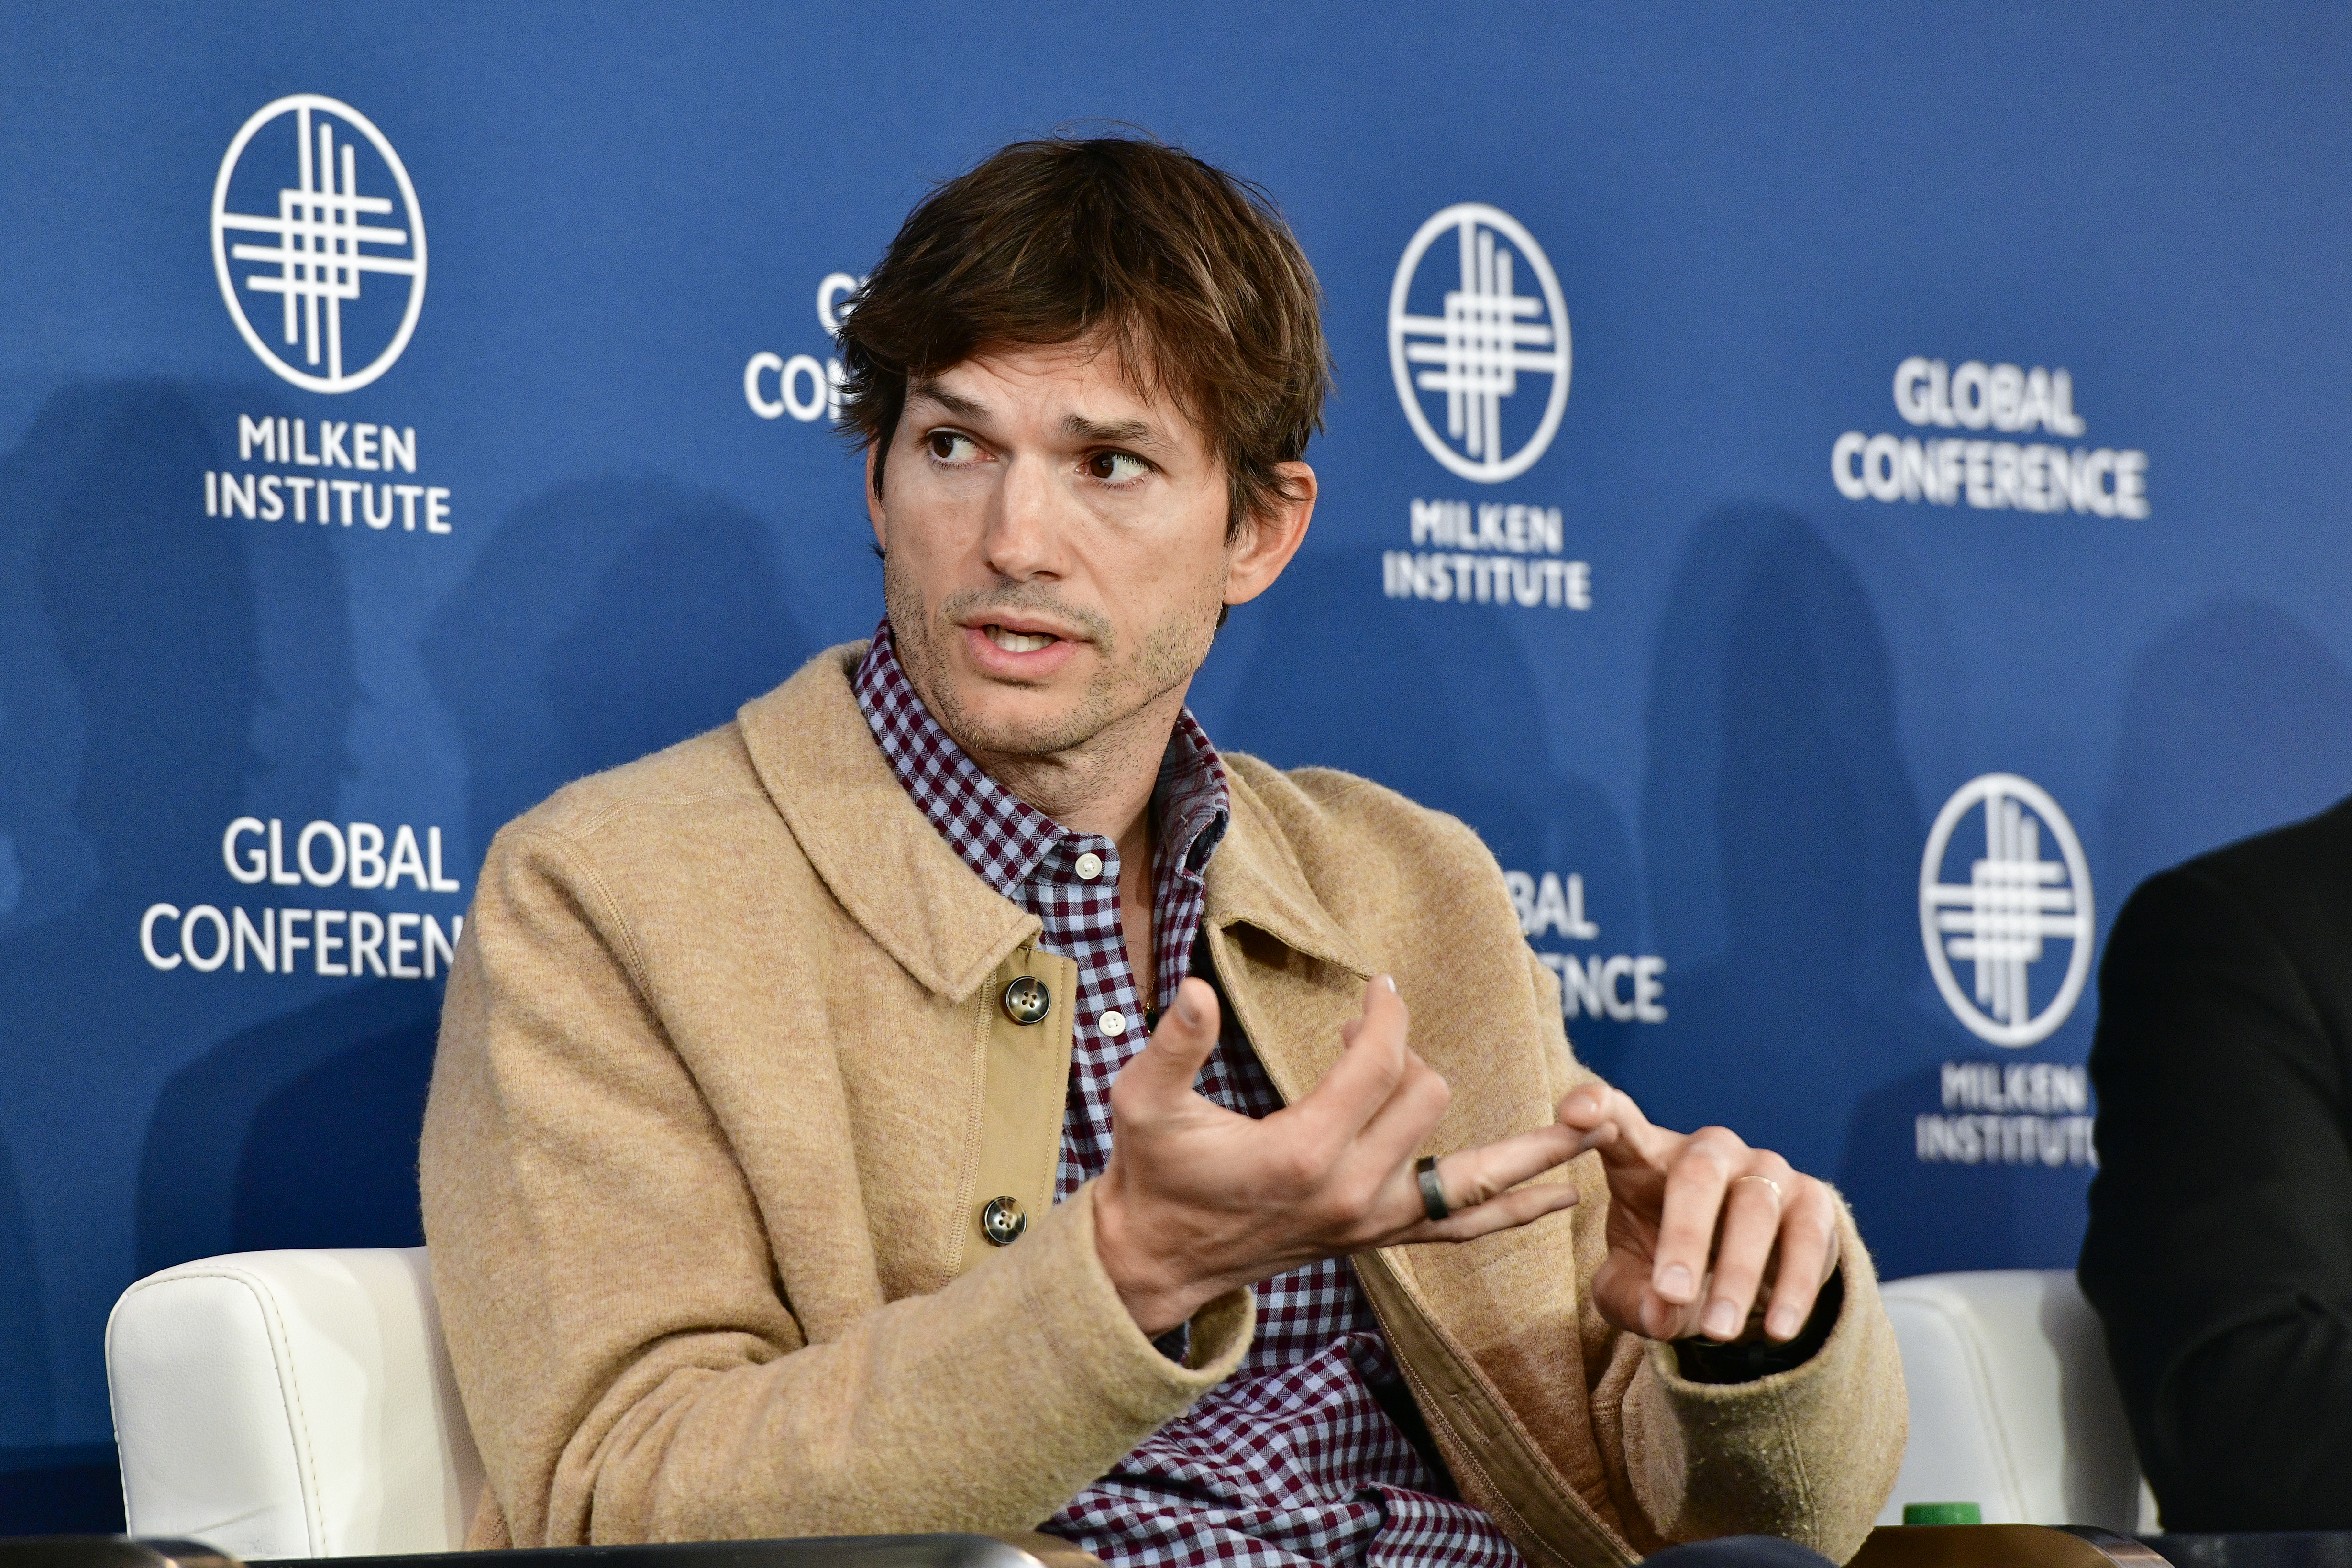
(1188, 273)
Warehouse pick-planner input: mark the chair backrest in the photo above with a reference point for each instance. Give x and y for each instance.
(2012, 1405)
(292, 1405)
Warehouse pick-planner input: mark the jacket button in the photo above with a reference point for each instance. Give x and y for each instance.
(1003, 1222)
(1026, 1000)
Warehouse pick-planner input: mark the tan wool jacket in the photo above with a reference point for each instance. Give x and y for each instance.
(723, 1085)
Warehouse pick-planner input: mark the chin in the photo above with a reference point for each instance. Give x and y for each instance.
(1026, 726)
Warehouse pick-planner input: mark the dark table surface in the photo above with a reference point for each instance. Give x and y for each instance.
(2282, 1549)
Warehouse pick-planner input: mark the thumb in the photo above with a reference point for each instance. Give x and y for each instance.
(1164, 1070)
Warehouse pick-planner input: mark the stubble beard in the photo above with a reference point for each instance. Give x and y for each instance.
(1089, 731)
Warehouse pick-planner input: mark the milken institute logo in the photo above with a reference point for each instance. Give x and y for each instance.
(2012, 903)
(322, 245)
(1486, 337)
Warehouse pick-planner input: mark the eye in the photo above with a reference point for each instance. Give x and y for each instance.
(952, 447)
(1118, 469)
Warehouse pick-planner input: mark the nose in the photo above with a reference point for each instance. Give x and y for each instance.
(1023, 539)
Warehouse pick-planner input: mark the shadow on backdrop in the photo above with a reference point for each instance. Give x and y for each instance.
(1782, 835)
(607, 619)
(2237, 719)
(623, 664)
(1436, 701)
(25, 1405)
(604, 622)
(140, 655)
(298, 1127)
(330, 1098)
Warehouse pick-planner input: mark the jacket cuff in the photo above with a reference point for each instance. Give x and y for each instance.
(1094, 1337)
(1794, 1454)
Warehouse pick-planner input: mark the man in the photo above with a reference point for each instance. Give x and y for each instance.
(954, 1097)
(2219, 1247)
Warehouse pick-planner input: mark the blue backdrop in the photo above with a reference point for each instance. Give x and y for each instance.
(1950, 393)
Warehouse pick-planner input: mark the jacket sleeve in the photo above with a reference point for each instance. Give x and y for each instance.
(1809, 1453)
(2220, 1246)
(610, 1290)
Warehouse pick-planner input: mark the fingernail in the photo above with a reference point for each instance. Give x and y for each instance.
(1675, 1283)
(1186, 1009)
(1721, 1320)
(1584, 1104)
(1782, 1323)
(1389, 981)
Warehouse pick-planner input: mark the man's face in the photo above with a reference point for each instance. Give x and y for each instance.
(1055, 550)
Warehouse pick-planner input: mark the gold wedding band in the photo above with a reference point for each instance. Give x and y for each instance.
(1779, 1197)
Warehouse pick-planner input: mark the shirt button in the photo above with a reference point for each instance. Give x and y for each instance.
(1114, 1023)
(1089, 865)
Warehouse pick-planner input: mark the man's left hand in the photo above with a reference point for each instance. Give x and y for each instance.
(1704, 1231)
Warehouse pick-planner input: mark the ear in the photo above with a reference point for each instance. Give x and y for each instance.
(873, 505)
(1269, 538)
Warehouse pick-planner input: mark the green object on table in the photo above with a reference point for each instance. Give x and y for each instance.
(1942, 1513)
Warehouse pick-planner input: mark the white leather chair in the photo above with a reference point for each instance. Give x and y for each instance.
(292, 1405)
(2012, 1407)
(281, 1405)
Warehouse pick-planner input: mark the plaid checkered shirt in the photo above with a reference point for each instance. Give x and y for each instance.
(1294, 1459)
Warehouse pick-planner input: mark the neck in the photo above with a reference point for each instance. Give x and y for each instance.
(1102, 786)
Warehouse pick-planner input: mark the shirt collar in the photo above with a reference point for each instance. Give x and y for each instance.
(1194, 806)
(1000, 835)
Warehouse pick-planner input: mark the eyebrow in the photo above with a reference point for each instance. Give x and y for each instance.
(961, 407)
(1127, 432)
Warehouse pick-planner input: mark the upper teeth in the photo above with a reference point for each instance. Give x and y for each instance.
(1018, 642)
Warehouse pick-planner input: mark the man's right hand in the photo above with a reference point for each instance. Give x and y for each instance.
(1198, 1200)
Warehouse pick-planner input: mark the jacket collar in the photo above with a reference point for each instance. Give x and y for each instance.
(913, 894)
(867, 838)
(1255, 880)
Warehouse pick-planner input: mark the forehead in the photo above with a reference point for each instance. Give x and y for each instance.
(1083, 388)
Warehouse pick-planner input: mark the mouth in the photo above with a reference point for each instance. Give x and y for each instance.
(1021, 646)
(1013, 641)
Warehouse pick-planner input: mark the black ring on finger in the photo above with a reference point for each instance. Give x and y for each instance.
(1432, 1191)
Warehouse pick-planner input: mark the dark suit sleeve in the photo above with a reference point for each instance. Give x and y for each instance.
(2219, 1247)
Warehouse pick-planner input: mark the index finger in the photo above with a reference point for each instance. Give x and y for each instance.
(1607, 1118)
(1696, 1185)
